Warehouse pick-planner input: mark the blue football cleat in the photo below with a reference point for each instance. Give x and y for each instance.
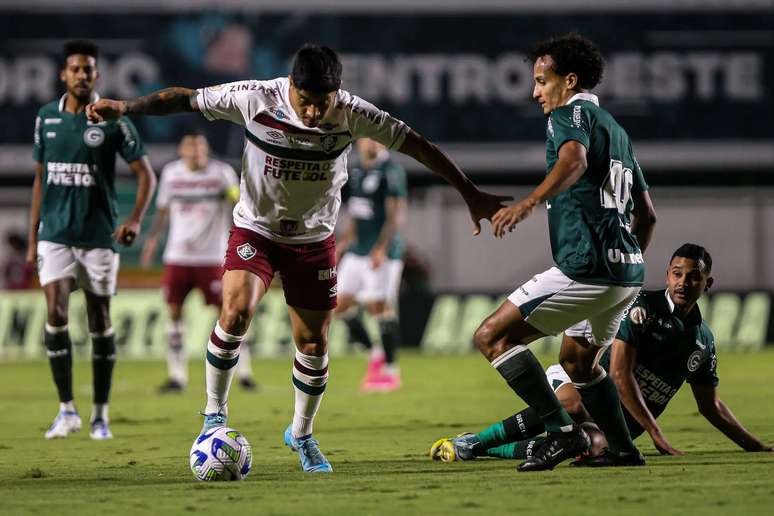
(212, 421)
(312, 459)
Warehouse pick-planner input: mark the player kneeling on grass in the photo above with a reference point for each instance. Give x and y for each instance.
(370, 271)
(662, 343)
(196, 195)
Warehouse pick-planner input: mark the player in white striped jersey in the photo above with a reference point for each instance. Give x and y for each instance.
(195, 196)
(298, 132)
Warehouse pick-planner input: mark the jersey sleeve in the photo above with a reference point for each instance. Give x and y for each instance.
(162, 193)
(367, 121)
(707, 373)
(633, 324)
(37, 142)
(569, 123)
(131, 148)
(396, 181)
(236, 102)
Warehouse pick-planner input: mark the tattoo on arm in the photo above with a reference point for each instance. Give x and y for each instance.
(162, 102)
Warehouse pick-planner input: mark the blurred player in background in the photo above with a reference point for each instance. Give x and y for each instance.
(195, 197)
(600, 220)
(369, 272)
(73, 229)
(298, 130)
(662, 343)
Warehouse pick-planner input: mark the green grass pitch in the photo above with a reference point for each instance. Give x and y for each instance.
(377, 444)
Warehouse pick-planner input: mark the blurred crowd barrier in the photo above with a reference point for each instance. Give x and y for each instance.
(436, 324)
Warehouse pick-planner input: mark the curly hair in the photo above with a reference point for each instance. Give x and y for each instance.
(572, 53)
(79, 46)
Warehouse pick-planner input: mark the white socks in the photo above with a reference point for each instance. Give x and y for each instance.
(310, 376)
(177, 359)
(222, 356)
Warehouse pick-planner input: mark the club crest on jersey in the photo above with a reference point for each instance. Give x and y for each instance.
(328, 142)
(694, 360)
(245, 251)
(93, 136)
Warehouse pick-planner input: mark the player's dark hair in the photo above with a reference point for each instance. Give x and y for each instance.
(694, 252)
(79, 46)
(192, 131)
(316, 69)
(572, 53)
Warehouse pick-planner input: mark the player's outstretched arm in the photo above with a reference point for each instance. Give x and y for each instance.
(716, 412)
(127, 232)
(644, 219)
(568, 169)
(622, 361)
(481, 205)
(163, 102)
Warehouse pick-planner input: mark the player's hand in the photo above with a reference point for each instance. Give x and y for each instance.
(148, 252)
(32, 252)
(378, 255)
(506, 218)
(105, 109)
(126, 233)
(663, 446)
(483, 205)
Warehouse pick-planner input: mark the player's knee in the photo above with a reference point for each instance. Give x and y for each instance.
(484, 338)
(234, 318)
(314, 345)
(574, 408)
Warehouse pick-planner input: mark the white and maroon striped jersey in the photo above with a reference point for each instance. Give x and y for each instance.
(292, 174)
(199, 211)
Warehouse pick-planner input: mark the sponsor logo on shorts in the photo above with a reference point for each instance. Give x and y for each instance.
(333, 291)
(93, 136)
(245, 251)
(694, 360)
(326, 274)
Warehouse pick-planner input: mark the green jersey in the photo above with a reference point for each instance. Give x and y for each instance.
(369, 189)
(589, 223)
(78, 205)
(670, 351)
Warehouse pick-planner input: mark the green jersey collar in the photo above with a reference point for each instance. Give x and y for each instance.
(692, 319)
(583, 96)
(94, 98)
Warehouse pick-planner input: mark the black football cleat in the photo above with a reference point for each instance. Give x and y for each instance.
(556, 448)
(171, 387)
(608, 459)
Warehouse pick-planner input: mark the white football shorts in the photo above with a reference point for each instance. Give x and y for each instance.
(553, 303)
(94, 270)
(357, 277)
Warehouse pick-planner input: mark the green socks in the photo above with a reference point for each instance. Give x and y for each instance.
(518, 427)
(103, 358)
(600, 397)
(357, 332)
(518, 450)
(60, 358)
(525, 376)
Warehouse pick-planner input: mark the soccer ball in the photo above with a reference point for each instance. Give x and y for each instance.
(221, 454)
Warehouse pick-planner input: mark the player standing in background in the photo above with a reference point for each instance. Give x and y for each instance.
(663, 343)
(370, 270)
(298, 130)
(600, 218)
(195, 197)
(73, 227)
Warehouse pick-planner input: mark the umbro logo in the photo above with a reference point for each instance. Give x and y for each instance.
(245, 251)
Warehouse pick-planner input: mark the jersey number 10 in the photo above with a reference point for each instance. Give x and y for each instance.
(617, 190)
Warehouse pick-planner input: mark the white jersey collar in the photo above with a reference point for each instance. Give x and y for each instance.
(94, 98)
(670, 303)
(583, 96)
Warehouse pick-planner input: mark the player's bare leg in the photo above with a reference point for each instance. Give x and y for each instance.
(59, 350)
(310, 377)
(580, 359)
(103, 357)
(502, 338)
(242, 291)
